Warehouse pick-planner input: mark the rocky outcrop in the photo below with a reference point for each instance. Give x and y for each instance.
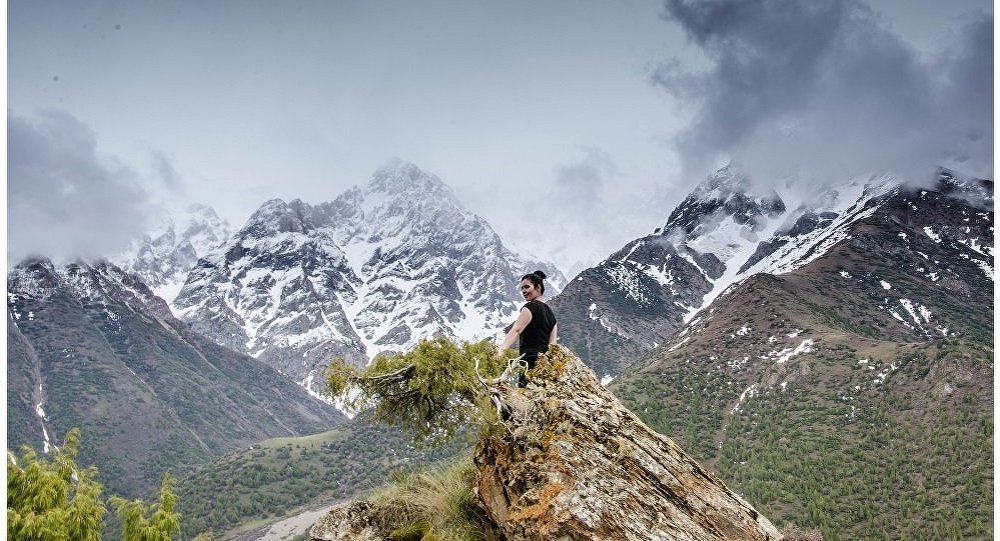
(576, 464)
(570, 462)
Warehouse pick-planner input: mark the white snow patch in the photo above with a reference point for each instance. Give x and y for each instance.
(737, 364)
(634, 248)
(794, 333)
(976, 246)
(785, 354)
(784, 384)
(895, 314)
(749, 392)
(885, 285)
(606, 379)
(930, 233)
(625, 277)
(933, 276)
(882, 375)
(307, 385)
(45, 444)
(679, 344)
(985, 267)
(845, 274)
(743, 331)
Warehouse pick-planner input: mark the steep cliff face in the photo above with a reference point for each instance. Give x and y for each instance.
(570, 462)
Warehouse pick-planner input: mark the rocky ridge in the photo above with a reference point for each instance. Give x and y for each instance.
(163, 258)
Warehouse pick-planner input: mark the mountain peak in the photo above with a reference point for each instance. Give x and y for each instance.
(726, 193)
(400, 176)
(279, 216)
(975, 191)
(722, 183)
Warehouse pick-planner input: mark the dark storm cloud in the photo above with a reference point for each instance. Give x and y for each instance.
(63, 200)
(822, 88)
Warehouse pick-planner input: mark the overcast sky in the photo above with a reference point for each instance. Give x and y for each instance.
(573, 127)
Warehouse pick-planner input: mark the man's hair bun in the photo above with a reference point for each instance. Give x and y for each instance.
(539, 274)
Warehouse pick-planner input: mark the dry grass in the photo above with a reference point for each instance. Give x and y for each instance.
(435, 504)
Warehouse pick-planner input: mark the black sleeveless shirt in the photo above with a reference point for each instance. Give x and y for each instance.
(535, 337)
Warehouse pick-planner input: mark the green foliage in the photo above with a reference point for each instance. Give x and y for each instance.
(149, 523)
(53, 500)
(436, 504)
(281, 477)
(835, 318)
(832, 452)
(432, 389)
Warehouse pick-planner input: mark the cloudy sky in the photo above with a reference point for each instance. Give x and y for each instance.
(572, 126)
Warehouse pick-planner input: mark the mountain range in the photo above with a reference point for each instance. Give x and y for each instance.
(836, 347)
(164, 257)
(720, 235)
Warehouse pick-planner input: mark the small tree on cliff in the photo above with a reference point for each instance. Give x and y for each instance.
(433, 389)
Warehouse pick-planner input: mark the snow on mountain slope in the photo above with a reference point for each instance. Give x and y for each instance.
(165, 256)
(377, 269)
(720, 235)
(805, 234)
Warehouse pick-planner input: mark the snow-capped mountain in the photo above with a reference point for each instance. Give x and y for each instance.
(90, 346)
(164, 257)
(858, 348)
(721, 234)
(375, 270)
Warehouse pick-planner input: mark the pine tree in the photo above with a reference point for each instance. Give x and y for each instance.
(155, 522)
(53, 500)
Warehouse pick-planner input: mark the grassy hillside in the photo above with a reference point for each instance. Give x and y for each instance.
(826, 412)
(103, 355)
(274, 479)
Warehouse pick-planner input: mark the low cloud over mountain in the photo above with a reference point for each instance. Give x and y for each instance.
(64, 199)
(830, 84)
